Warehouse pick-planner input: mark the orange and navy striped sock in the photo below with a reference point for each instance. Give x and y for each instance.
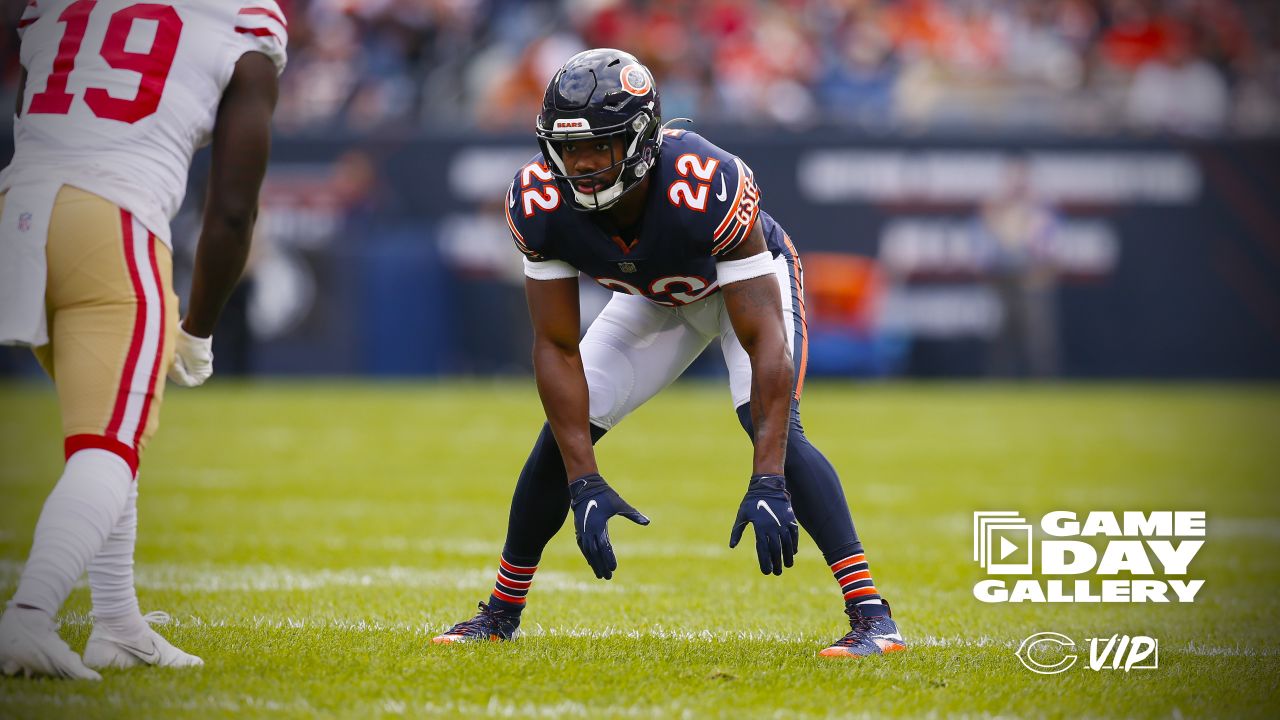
(854, 576)
(512, 585)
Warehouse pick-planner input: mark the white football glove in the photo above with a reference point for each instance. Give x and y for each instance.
(193, 359)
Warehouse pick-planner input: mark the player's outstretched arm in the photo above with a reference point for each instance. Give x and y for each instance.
(557, 368)
(562, 385)
(241, 146)
(755, 309)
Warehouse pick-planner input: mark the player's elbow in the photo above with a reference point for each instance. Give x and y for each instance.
(760, 341)
(768, 349)
(551, 345)
(233, 220)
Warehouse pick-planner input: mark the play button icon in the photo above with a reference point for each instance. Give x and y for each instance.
(1003, 542)
(1007, 548)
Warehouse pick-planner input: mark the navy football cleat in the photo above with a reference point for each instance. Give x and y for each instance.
(491, 623)
(873, 632)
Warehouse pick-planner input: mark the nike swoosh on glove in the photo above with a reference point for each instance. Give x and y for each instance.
(192, 359)
(767, 507)
(594, 502)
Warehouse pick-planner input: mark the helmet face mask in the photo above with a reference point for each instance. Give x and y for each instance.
(597, 96)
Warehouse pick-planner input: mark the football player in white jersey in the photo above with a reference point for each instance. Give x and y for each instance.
(116, 97)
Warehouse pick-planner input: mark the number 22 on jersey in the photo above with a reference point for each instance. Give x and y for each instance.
(693, 196)
(544, 196)
(153, 65)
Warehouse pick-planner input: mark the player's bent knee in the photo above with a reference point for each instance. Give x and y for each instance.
(796, 436)
(76, 443)
(610, 379)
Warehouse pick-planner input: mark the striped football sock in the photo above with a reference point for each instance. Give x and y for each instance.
(513, 584)
(855, 579)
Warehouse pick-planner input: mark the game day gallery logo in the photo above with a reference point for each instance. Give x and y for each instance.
(1104, 557)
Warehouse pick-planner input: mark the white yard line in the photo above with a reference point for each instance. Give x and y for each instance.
(564, 708)
(199, 705)
(656, 632)
(1260, 529)
(1251, 528)
(244, 703)
(489, 549)
(274, 578)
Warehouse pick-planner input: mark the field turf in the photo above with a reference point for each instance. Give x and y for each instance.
(310, 538)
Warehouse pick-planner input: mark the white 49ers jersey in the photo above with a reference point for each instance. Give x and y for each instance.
(121, 93)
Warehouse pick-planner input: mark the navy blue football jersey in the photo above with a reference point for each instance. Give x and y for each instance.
(702, 203)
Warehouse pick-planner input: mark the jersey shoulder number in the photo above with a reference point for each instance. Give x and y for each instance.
(715, 190)
(532, 196)
(30, 14)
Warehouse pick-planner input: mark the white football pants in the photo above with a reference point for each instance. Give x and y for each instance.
(635, 348)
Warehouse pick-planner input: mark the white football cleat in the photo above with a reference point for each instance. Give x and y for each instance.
(30, 646)
(106, 649)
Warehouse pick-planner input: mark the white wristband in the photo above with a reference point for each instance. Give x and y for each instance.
(731, 271)
(549, 269)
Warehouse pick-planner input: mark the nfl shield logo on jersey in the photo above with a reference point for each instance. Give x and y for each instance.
(24, 222)
(627, 267)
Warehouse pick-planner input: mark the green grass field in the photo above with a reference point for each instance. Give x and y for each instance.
(310, 538)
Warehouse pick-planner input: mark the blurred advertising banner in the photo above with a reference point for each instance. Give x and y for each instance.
(1038, 256)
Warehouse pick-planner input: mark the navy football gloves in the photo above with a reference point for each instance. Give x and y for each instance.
(594, 502)
(767, 507)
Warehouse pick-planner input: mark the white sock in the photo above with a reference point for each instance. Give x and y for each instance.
(115, 601)
(77, 517)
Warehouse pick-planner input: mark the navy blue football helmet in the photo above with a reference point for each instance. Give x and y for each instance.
(602, 93)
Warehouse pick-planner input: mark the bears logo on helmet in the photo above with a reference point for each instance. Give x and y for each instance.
(635, 79)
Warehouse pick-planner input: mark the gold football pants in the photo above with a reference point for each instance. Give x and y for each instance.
(112, 315)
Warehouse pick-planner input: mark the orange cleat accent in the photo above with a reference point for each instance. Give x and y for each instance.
(872, 631)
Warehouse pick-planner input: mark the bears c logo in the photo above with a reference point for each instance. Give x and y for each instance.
(635, 79)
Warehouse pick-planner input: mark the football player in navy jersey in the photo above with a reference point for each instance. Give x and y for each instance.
(673, 226)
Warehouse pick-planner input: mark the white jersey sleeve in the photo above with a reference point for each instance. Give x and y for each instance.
(263, 28)
(29, 16)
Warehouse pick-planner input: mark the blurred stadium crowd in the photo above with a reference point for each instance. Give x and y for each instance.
(1093, 67)
(1083, 67)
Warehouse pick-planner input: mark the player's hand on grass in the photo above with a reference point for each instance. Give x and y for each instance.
(594, 502)
(767, 507)
(193, 359)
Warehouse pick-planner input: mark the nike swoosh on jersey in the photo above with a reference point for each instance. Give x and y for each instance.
(765, 506)
(591, 505)
(724, 193)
